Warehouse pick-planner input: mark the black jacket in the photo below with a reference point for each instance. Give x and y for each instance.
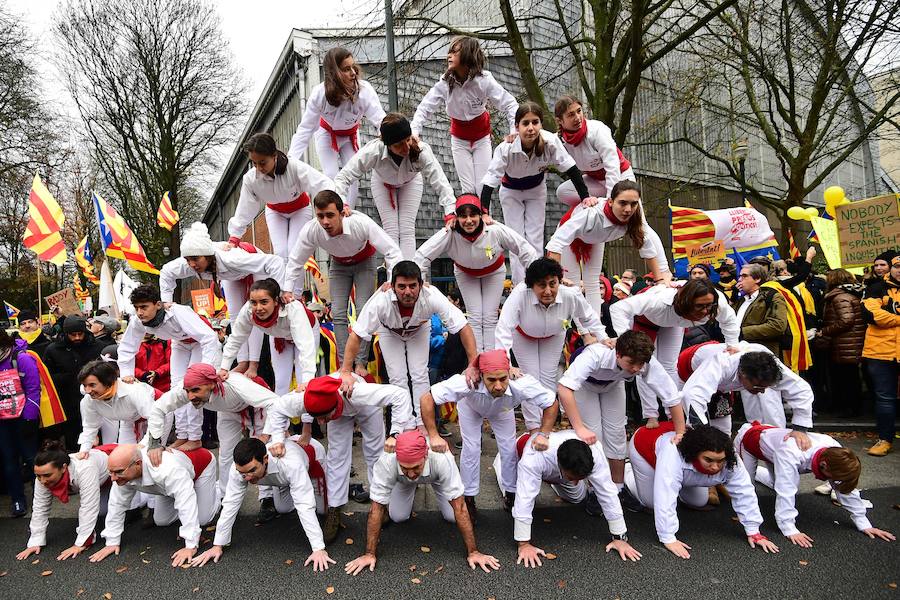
(64, 360)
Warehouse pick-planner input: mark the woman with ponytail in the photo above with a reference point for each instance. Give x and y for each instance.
(59, 475)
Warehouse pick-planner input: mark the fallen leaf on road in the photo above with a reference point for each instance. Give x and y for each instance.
(892, 585)
(349, 541)
(3, 574)
(561, 583)
(546, 520)
(35, 561)
(107, 596)
(803, 563)
(46, 573)
(186, 566)
(145, 561)
(897, 507)
(329, 590)
(143, 553)
(425, 549)
(289, 562)
(210, 528)
(439, 569)
(348, 514)
(416, 580)
(121, 569)
(423, 573)
(79, 592)
(196, 589)
(412, 567)
(550, 556)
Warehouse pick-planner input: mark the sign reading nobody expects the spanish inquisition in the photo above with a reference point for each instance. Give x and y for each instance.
(867, 228)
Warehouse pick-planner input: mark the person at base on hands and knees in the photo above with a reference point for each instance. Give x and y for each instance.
(289, 476)
(662, 472)
(324, 400)
(396, 477)
(238, 403)
(495, 399)
(185, 488)
(401, 317)
(193, 341)
(565, 465)
(592, 392)
(773, 458)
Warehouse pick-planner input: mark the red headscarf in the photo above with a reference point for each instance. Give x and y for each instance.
(202, 373)
(493, 360)
(411, 447)
(322, 395)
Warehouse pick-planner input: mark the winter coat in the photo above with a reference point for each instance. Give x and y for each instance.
(882, 312)
(30, 377)
(154, 356)
(64, 360)
(843, 328)
(766, 320)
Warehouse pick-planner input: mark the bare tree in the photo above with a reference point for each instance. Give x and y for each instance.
(158, 95)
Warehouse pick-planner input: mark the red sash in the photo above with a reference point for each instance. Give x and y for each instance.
(286, 208)
(367, 251)
(496, 265)
(336, 133)
(750, 441)
(200, 458)
(521, 443)
(105, 448)
(390, 188)
(531, 337)
(687, 357)
(580, 248)
(316, 472)
(601, 173)
(645, 440)
(645, 325)
(473, 130)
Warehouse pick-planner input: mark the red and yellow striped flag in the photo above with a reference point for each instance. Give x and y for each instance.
(313, 267)
(117, 238)
(85, 261)
(793, 246)
(43, 233)
(52, 412)
(690, 226)
(80, 292)
(166, 216)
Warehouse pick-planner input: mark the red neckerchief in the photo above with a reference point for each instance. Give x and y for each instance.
(700, 468)
(267, 322)
(575, 137)
(404, 311)
(607, 211)
(814, 465)
(61, 489)
(471, 236)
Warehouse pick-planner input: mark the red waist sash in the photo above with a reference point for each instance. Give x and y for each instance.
(473, 130)
(496, 265)
(336, 133)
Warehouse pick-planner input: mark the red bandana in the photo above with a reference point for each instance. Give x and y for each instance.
(607, 211)
(273, 318)
(575, 137)
(814, 465)
(61, 489)
(700, 468)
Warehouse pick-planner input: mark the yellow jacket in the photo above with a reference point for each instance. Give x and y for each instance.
(883, 334)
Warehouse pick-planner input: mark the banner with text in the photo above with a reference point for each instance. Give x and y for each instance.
(867, 228)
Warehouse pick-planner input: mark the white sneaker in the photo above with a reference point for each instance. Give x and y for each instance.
(824, 490)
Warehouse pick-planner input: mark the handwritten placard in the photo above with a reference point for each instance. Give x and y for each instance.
(706, 253)
(64, 300)
(867, 228)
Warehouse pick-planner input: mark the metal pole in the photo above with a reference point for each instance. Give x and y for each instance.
(743, 179)
(391, 63)
(40, 305)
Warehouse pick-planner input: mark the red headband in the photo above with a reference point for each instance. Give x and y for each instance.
(411, 447)
(200, 374)
(469, 200)
(493, 360)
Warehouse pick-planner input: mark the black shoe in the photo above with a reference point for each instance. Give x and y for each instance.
(443, 431)
(458, 445)
(210, 444)
(133, 515)
(591, 506)
(629, 502)
(358, 493)
(147, 521)
(509, 499)
(332, 525)
(266, 512)
(473, 510)
(18, 509)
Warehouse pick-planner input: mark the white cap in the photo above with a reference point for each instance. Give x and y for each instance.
(196, 241)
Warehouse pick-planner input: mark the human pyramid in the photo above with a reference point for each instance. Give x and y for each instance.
(687, 457)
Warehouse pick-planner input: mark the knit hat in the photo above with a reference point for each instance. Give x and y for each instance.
(886, 256)
(27, 315)
(624, 287)
(196, 241)
(74, 325)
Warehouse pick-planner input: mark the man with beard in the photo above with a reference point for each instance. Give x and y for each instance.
(64, 359)
(30, 331)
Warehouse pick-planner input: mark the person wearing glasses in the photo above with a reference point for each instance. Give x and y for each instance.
(762, 312)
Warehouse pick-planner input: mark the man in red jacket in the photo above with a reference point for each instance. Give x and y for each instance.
(151, 363)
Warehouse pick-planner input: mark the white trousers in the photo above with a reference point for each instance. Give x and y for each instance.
(765, 408)
(604, 414)
(338, 458)
(188, 420)
(165, 513)
(401, 503)
(587, 274)
(471, 161)
(668, 347)
(281, 495)
(503, 424)
(524, 211)
(284, 228)
(235, 297)
(639, 480)
(399, 220)
(540, 359)
(332, 161)
(230, 429)
(482, 298)
(407, 359)
(283, 365)
(567, 194)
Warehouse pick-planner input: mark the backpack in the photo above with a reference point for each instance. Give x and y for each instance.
(12, 394)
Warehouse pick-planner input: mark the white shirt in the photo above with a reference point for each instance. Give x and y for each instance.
(174, 477)
(595, 369)
(524, 389)
(466, 102)
(180, 323)
(789, 463)
(292, 325)
(364, 394)
(478, 254)
(345, 115)
(240, 393)
(131, 402)
(742, 309)
(85, 479)
(509, 159)
(720, 373)
(592, 226)
(258, 189)
(440, 472)
(290, 471)
(381, 315)
(656, 306)
(536, 467)
(597, 151)
(523, 309)
(231, 265)
(357, 231)
(374, 156)
(673, 473)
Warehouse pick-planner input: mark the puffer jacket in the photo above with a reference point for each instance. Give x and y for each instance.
(882, 304)
(28, 374)
(844, 328)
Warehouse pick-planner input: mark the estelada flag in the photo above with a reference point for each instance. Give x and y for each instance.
(166, 216)
(117, 238)
(85, 261)
(52, 412)
(43, 233)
